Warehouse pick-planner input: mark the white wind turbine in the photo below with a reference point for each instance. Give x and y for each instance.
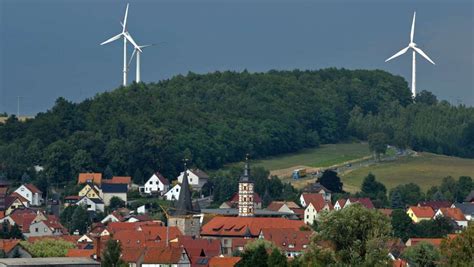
(126, 36)
(413, 46)
(137, 50)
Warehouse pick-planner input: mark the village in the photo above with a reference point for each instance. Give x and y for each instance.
(188, 234)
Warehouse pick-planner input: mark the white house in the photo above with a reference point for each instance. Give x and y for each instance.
(92, 204)
(453, 213)
(108, 191)
(314, 209)
(173, 193)
(31, 193)
(157, 184)
(196, 178)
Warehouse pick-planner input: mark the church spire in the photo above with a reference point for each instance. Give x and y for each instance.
(246, 194)
(184, 205)
(246, 176)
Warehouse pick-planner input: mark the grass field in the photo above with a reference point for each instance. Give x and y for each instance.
(324, 156)
(426, 170)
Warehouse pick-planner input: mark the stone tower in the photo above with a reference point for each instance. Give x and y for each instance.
(246, 195)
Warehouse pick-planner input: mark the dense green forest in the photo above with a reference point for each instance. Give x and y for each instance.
(217, 118)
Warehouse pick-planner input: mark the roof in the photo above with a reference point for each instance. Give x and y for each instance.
(276, 205)
(434, 241)
(453, 213)
(158, 232)
(467, 208)
(399, 263)
(114, 188)
(51, 261)
(8, 244)
(422, 212)
(317, 201)
(162, 179)
(33, 188)
(223, 261)
(22, 199)
(315, 188)
(75, 252)
(200, 173)
(9, 200)
(435, 205)
(288, 239)
(130, 254)
(130, 238)
(118, 180)
(244, 226)
(256, 198)
(386, 212)
(72, 198)
(196, 246)
(23, 217)
(162, 255)
(366, 202)
(184, 205)
(92, 187)
(96, 178)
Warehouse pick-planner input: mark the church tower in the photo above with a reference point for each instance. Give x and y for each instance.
(246, 195)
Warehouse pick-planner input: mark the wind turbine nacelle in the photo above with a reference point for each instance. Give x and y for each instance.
(412, 44)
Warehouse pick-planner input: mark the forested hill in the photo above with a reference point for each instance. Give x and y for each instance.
(214, 119)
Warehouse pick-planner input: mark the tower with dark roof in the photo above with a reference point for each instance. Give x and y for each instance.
(184, 205)
(246, 194)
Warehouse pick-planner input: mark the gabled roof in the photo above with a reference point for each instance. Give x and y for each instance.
(435, 205)
(196, 246)
(320, 205)
(276, 205)
(453, 213)
(118, 180)
(200, 173)
(158, 232)
(162, 179)
(9, 200)
(366, 202)
(312, 197)
(8, 244)
(422, 212)
(164, 255)
(341, 202)
(223, 261)
(96, 178)
(22, 199)
(288, 239)
(315, 188)
(92, 187)
(130, 238)
(239, 226)
(23, 217)
(114, 188)
(132, 255)
(33, 188)
(467, 208)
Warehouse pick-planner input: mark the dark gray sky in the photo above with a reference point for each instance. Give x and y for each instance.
(51, 48)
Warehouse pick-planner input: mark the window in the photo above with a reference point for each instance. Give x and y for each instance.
(151, 182)
(45, 230)
(36, 229)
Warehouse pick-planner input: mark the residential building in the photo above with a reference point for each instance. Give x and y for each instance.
(220, 261)
(11, 248)
(414, 241)
(316, 206)
(196, 178)
(92, 204)
(166, 256)
(453, 213)
(343, 203)
(119, 180)
(12, 203)
(283, 206)
(157, 184)
(108, 191)
(90, 190)
(49, 227)
(306, 198)
(292, 242)
(90, 178)
(467, 209)
(418, 214)
(318, 189)
(435, 205)
(50, 262)
(31, 193)
(173, 193)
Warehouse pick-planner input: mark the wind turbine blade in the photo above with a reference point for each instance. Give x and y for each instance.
(131, 57)
(112, 39)
(130, 39)
(124, 25)
(412, 34)
(399, 53)
(423, 54)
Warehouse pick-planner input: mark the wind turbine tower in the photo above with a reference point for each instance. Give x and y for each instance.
(415, 49)
(137, 51)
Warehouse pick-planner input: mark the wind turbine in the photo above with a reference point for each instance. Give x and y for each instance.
(413, 46)
(126, 36)
(137, 50)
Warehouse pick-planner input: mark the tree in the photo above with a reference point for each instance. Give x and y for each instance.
(47, 248)
(436, 228)
(402, 225)
(111, 254)
(25, 178)
(410, 193)
(378, 144)
(331, 181)
(255, 254)
(426, 98)
(463, 188)
(79, 220)
(459, 251)
(357, 234)
(277, 259)
(374, 190)
(422, 254)
(15, 232)
(448, 188)
(115, 203)
(396, 201)
(108, 172)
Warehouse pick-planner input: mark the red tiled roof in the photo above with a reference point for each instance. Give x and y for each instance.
(132, 255)
(33, 188)
(312, 198)
(194, 246)
(244, 226)
(130, 238)
(164, 255)
(400, 263)
(118, 180)
(341, 202)
(9, 200)
(366, 202)
(276, 205)
(8, 244)
(96, 178)
(119, 226)
(23, 217)
(386, 212)
(317, 201)
(284, 238)
(223, 261)
(81, 253)
(422, 212)
(22, 199)
(435, 205)
(434, 241)
(158, 232)
(453, 213)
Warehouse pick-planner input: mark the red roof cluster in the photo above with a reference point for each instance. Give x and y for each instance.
(422, 212)
(287, 239)
(453, 213)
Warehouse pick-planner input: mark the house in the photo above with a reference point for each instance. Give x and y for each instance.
(305, 198)
(318, 188)
(166, 256)
(283, 206)
(173, 193)
(467, 209)
(119, 180)
(92, 204)
(339, 205)
(90, 190)
(11, 248)
(196, 178)
(433, 241)
(228, 228)
(157, 184)
(24, 218)
(386, 212)
(418, 214)
(453, 213)
(199, 250)
(343, 203)
(316, 206)
(113, 190)
(292, 242)
(90, 178)
(31, 193)
(12, 203)
(435, 205)
(23, 200)
(49, 227)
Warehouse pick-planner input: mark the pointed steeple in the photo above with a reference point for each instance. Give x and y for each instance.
(184, 205)
(246, 175)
